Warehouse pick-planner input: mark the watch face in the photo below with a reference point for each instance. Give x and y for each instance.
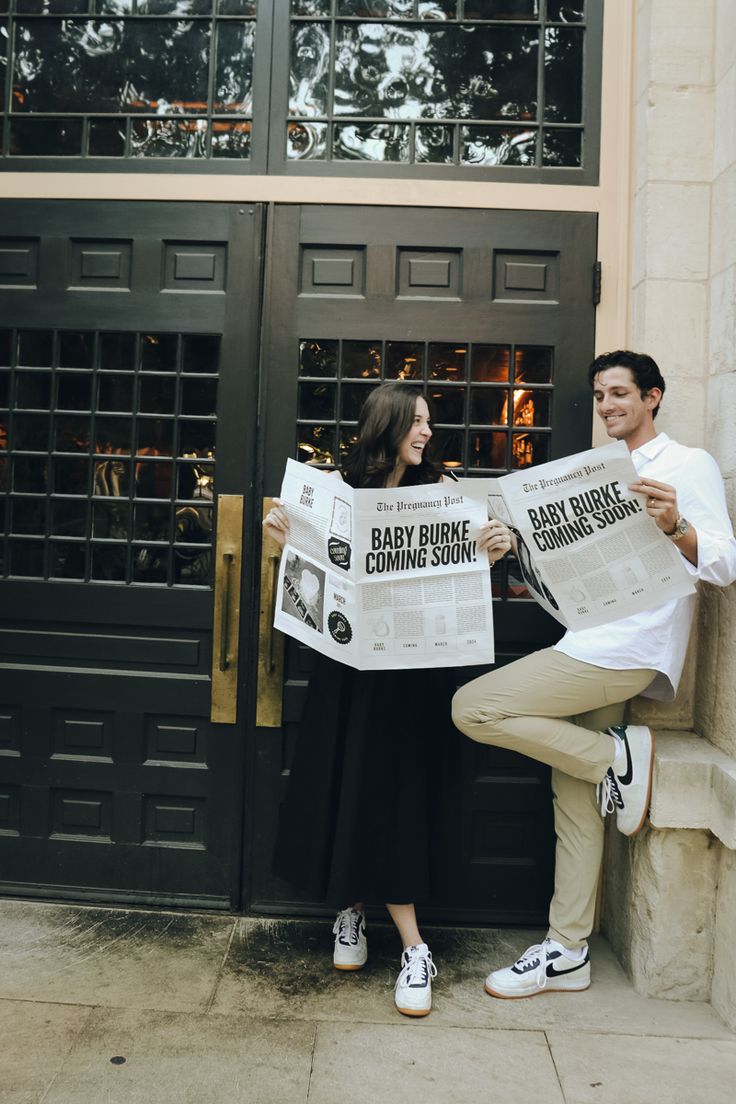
(682, 526)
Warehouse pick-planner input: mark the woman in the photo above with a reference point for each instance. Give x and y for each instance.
(361, 809)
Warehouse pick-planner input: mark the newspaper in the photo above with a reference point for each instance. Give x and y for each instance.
(587, 549)
(384, 578)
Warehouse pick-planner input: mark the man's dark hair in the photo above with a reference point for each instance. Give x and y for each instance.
(643, 368)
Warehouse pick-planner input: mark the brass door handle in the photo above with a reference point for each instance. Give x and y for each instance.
(226, 623)
(227, 558)
(270, 640)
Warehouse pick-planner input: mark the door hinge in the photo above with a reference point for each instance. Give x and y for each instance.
(596, 283)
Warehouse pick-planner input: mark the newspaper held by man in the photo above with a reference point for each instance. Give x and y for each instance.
(384, 578)
(587, 549)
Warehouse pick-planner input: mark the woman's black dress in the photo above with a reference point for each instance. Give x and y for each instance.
(371, 811)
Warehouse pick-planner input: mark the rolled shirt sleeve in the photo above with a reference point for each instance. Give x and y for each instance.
(701, 498)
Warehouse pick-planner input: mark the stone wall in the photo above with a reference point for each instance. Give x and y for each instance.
(670, 901)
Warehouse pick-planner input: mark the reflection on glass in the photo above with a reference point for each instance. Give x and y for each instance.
(67, 560)
(348, 437)
(352, 397)
(435, 71)
(29, 515)
(151, 522)
(196, 481)
(306, 141)
(447, 404)
(404, 360)
(158, 353)
(489, 406)
(35, 348)
(158, 395)
(31, 432)
(30, 473)
(490, 363)
(117, 351)
(6, 348)
(316, 445)
(563, 74)
(447, 361)
(487, 450)
(199, 396)
(153, 478)
(528, 449)
(199, 353)
(113, 435)
(155, 437)
(533, 364)
(26, 559)
(108, 563)
(111, 477)
(168, 138)
(317, 400)
(71, 433)
(309, 76)
(45, 137)
(231, 139)
(236, 7)
(74, 392)
(111, 65)
(370, 142)
(312, 7)
(498, 146)
(150, 564)
(193, 525)
(361, 359)
(501, 9)
(318, 358)
(234, 67)
(106, 138)
(33, 390)
(70, 475)
(110, 520)
(562, 147)
(434, 144)
(447, 448)
(115, 393)
(197, 438)
(566, 11)
(69, 517)
(531, 408)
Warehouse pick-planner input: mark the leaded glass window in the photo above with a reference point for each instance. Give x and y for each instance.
(428, 88)
(107, 456)
(479, 83)
(137, 79)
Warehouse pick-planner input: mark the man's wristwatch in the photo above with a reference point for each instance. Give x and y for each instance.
(681, 527)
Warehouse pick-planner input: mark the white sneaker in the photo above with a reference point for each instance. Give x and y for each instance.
(413, 989)
(542, 968)
(351, 945)
(627, 793)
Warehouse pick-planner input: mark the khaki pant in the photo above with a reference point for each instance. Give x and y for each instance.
(554, 709)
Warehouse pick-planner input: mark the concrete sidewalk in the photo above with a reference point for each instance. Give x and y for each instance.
(100, 1006)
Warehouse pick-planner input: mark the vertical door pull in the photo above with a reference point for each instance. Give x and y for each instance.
(226, 626)
(227, 559)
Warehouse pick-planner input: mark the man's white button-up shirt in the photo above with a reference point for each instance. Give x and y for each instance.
(658, 638)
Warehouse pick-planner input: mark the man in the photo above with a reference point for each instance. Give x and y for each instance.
(564, 705)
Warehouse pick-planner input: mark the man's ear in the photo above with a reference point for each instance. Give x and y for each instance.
(653, 398)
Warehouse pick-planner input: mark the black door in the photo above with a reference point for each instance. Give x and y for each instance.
(491, 315)
(128, 377)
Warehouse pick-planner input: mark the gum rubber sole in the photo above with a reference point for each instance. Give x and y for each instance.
(536, 993)
(637, 830)
(349, 966)
(413, 1011)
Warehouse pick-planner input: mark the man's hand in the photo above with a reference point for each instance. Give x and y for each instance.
(661, 502)
(495, 539)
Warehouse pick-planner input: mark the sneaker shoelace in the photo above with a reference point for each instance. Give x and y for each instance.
(609, 794)
(347, 927)
(418, 968)
(536, 956)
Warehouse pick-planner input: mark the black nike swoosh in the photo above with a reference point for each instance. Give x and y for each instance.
(625, 778)
(551, 972)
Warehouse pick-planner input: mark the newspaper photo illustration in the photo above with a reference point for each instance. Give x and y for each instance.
(587, 550)
(384, 578)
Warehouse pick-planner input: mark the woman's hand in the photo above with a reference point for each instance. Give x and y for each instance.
(495, 538)
(276, 521)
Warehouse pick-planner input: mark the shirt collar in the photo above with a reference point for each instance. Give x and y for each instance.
(652, 449)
